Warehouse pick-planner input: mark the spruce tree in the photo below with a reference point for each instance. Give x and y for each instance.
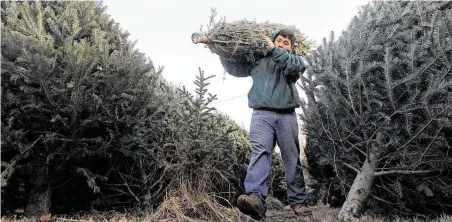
(74, 93)
(379, 108)
(199, 143)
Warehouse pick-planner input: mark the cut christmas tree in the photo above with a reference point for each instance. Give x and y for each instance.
(242, 40)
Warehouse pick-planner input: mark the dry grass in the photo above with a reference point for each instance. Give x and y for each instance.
(195, 208)
(188, 208)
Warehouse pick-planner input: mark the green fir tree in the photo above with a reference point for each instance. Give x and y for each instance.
(379, 110)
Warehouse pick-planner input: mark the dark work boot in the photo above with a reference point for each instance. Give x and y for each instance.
(251, 205)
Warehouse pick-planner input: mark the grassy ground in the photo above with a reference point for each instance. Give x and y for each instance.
(204, 209)
(320, 215)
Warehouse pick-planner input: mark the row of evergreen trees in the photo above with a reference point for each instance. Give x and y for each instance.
(88, 122)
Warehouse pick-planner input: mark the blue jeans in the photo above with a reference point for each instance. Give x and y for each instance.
(267, 128)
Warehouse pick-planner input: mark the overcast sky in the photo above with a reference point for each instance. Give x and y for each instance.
(163, 29)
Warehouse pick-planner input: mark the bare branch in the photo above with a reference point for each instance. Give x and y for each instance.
(159, 180)
(121, 185)
(381, 173)
(357, 148)
(65, 219)
(351, 167)
(385, 188)
(230, 42)
(128, 188)
(384, 201)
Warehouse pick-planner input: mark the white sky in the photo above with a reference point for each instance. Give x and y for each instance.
(163, 31)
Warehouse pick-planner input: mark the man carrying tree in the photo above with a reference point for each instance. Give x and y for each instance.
(273, 98)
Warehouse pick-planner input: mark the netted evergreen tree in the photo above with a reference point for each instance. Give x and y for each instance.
(379, 109)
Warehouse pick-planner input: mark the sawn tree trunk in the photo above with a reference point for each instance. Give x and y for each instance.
(362, 186)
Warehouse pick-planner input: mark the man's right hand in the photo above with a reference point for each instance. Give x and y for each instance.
(270, 44)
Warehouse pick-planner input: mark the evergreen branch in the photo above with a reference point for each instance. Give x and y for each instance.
(338, 133)
(13, 163)
(382, 173)
(388, 77)
(428, 66)
(394, 113)
(447, 5)
(441, 49)
(431, 142)
(335, 166)
(418, 133)
(443, 161)
(47, 96)
(328, 134)
(348, 87)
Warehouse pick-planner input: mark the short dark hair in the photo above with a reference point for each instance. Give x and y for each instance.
(288, 34)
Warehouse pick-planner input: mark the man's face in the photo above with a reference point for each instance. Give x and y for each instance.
(283, 42)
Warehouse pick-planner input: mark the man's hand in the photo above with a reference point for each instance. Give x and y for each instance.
(270, 44)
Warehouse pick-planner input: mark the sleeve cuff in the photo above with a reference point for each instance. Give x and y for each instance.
(278, 51)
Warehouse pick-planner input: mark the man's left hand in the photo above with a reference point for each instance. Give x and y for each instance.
(270, 44)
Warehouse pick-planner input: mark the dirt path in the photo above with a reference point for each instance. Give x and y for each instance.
(286, 216)
(276, 212)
